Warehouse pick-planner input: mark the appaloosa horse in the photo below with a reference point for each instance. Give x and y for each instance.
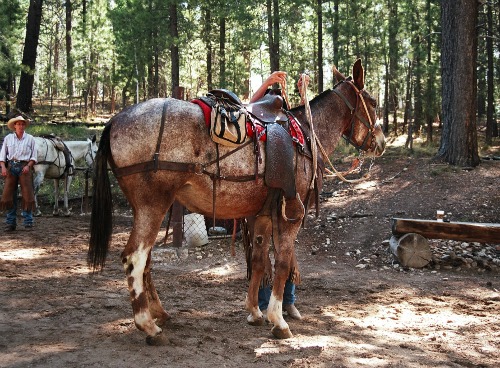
(53, 163)
(160, 150)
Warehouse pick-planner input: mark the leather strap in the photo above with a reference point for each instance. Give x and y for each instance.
(160, 135)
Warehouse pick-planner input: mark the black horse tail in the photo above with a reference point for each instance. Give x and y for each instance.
(101, 219)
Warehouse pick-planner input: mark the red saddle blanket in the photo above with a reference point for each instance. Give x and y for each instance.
(257, 129)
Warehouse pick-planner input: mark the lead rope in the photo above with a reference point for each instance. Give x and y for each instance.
(314, 138)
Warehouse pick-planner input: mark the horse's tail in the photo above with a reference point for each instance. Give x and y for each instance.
(101, 221)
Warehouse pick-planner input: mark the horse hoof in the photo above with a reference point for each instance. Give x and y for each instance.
(281, 333)
(37, 214)
(158, 340)
(256, 322)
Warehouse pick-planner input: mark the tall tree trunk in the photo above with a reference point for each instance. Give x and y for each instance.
(335, 35)
(25, 93)
(385, 126)
(55, 89)
(429, 92)
(320, 46)
(393, 60)
(459, 85)
(490, 113)
(174, 48)
(273, 33)
(222, 52)
(69, 54)
(208, 45)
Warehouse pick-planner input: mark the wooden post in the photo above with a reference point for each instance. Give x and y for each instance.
(412, 250)
(177, 224)
(86, 194)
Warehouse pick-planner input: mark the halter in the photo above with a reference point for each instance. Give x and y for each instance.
(355, 113)
(89, 153)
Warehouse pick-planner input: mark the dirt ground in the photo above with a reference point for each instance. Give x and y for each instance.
(360, 308)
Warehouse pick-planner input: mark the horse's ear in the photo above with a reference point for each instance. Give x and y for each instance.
(338, 75)
(93, 138)
(358, 74)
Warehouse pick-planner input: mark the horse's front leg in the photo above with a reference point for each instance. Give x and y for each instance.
(55, 211)
(67, 184)
(288, 226)
(136, 259)
(260, 235)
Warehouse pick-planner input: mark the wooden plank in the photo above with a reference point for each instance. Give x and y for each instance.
(432, 229)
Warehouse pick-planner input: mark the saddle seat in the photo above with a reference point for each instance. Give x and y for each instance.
(268, 109)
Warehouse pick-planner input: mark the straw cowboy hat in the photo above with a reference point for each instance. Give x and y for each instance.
(12, 122)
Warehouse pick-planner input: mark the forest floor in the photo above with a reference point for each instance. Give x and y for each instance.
(360, 308)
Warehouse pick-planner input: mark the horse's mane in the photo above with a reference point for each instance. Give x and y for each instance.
(313, 102)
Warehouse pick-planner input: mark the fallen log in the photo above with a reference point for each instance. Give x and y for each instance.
(464, 231)
(412, 250)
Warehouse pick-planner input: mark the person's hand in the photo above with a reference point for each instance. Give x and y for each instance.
(4, 172)
(26, 169)
(305, 78)
(276, 77)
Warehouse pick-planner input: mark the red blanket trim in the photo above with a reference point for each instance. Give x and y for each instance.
(207, 110)
(260, 130)
(296, 131)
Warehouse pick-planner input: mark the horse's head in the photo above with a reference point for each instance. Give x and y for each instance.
(91, 150)
(363, 132)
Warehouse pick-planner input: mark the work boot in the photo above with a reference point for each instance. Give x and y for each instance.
(292, 311)
(10, 227)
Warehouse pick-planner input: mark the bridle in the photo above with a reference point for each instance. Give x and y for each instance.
(89, 153)
(355, 113)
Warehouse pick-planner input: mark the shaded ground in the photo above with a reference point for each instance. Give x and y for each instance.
(360, 307)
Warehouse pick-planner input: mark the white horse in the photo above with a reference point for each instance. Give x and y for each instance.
(54, 164)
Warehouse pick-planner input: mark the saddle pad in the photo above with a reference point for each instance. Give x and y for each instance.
(279, 160)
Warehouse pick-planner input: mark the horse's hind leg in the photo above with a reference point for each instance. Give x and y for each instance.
(260, 233)
(284, 242)
(37, 182)
(155, 307)
(136, 259)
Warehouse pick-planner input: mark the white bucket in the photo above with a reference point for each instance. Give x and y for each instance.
(195, 231)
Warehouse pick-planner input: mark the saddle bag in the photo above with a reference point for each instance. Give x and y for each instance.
(228, 124)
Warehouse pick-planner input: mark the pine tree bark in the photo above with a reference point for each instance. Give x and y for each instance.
(320, 45)
(273, 33)
(25, 93)
(174, 48)
(69, 51)
(459, 87)
(490, 112)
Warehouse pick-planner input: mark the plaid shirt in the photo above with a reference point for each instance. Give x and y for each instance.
(23, 149)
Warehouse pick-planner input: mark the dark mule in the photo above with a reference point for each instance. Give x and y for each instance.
(157, 162)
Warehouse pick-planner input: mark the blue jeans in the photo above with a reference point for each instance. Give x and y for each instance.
(265, 294)
(12, 213)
